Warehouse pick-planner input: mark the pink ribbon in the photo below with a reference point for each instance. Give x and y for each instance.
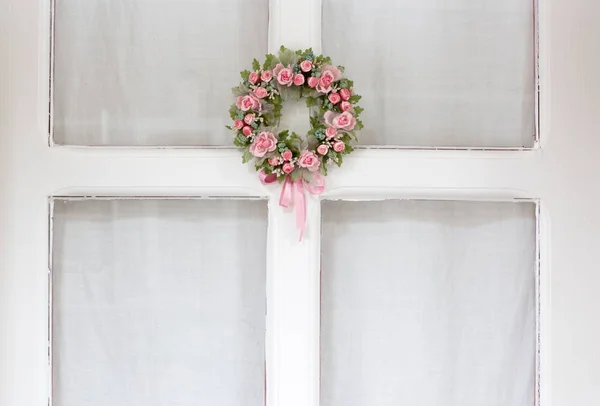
(292, 192)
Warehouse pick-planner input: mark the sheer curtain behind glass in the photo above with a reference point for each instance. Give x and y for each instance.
(158, 302)
(151, 72)
(438, 72)
(428, 303)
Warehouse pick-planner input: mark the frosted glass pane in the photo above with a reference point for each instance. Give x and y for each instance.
(438, 72)
(159, 302)
(151, 72)
(428, 303)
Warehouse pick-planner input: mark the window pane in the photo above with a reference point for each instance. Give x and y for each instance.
(438, 72)
(159, 302)
(151, 72)
(428, 303)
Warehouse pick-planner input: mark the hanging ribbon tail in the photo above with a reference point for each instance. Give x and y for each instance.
(293, 192)
(317, 185)
(300, 202)
(285, 199)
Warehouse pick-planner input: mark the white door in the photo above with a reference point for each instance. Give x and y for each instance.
(452, 262)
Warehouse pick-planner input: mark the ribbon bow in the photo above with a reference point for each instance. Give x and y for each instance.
(292, 192)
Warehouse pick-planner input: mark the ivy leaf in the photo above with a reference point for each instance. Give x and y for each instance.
(311, 101)
(358, 110)
(355, 98)
(323, 168)
(269, 61)
(233, 112)
(240, 141)
(247, 156)
(255, 64)
(245, 74)
(359, 124)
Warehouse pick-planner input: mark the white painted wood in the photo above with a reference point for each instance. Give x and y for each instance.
(293, 287)
(562, 174)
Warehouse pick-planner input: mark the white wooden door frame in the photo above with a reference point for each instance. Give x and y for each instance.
(562, 174)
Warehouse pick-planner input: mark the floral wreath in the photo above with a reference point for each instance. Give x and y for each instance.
(283, 156)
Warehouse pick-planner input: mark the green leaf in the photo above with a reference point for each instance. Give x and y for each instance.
(255, 64)
(323, 168)
(358, 110)
(233, 111)
(355, 98)
(240, 141)
(311, 101)
(247, 156)
(245, 74)
(269, 61)
(340, 160)
(296, 175)
(359, 124)
(287, 57)
(229, 127)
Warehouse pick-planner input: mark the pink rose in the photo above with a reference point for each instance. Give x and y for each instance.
(253, 78)
(266, 76)
(344, 121)
(248, 102)
(287, 155)
(329, 74)
(328, 117)
(330, 132)
(325, 81)
(247, 131)
(263, 143)
(337, 74)
(345, 106)
(309, 160)
(249, 119)
(334, 98)
(288, 167)
(284, 75)
(306, 66)
(261, 92)
(238, 124)
(345, 93)
(313, 81)
(299, 79)
(274, 161)
(323, 149)
(339, 146)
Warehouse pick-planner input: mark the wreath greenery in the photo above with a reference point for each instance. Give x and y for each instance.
(278, 153)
